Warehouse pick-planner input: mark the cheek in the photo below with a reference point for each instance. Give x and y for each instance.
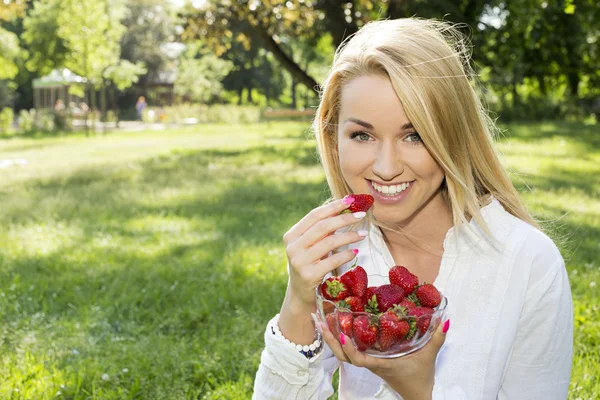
(426, 167)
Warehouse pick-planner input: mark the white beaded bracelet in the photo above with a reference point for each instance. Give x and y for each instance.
(307, 351)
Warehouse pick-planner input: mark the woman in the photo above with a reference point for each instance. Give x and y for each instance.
(399, 119)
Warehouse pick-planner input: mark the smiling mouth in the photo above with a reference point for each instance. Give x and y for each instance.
(391, 190)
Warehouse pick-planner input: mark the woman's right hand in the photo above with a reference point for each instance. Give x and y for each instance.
(308, 244)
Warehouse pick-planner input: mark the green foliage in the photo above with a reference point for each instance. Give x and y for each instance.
(182, 113)
(9, 53)
(124, 73)
(200, 78)
(47, 49)
(27, 120)
(7, 117)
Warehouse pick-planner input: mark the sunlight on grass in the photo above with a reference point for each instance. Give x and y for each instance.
(145, 265)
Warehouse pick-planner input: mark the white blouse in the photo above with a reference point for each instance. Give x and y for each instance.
(511, 333)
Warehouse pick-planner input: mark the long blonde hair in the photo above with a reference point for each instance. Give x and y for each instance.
(427, 62)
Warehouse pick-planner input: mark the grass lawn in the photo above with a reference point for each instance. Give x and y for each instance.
(146, 265)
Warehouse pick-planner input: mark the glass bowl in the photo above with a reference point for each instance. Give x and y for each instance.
(421, 328)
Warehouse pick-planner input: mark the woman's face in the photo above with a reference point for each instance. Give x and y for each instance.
(382, 154)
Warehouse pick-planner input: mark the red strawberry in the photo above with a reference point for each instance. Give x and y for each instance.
(392, 329)
(423, 318)
(332, 323)
(345, 319)
(369, 293)
(387, 296)
(407, 304)
(428, 295)
(362, 202)
(356, 280)
(333, 289)
(352, 303)
(365, 332)
(402, 277)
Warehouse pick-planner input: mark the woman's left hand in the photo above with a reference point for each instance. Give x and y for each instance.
(411, 376)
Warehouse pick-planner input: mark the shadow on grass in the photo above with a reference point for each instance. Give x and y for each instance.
(172, 306)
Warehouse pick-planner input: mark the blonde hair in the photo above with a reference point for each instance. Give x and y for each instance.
(427, 62)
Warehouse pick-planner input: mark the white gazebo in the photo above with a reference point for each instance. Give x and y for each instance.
(54, 86)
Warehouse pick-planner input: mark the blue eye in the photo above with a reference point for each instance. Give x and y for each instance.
(414, 138)
(360, 136)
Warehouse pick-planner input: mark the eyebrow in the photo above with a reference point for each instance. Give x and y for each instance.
(367, 125)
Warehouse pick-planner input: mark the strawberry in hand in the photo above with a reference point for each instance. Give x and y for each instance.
(362, 202)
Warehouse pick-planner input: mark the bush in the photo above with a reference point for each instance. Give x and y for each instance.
(27, 120)
(199, 113)
(7, 118)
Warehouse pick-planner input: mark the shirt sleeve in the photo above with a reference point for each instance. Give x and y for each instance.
(539, 366)
(284, 373)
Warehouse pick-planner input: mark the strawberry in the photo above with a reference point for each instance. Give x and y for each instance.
(345, 320)
(423, 318)
(356, 280)
(369, 293)
(362, 202)
(402, 277)
(428, 295)
(386, 296)
(392, 329)
(365, 332)
(332, 323)
(352, 303)
(333, 289)
(407, 304)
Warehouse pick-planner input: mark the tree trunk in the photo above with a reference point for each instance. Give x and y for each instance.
(294, 104)
(249, 98)
(287, 62)
(103, 107)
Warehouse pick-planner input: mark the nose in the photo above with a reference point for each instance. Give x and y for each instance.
(388, 163)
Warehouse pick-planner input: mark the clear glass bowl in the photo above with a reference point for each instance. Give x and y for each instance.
(331, 314)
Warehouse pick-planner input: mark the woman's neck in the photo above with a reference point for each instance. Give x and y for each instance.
(424, 232)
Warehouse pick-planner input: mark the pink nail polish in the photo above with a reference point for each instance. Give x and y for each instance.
(348, 199)
(355, 251)
(446, 326)
(342, 339)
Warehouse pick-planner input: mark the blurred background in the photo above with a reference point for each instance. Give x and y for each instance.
(536, 59)
(153, 154)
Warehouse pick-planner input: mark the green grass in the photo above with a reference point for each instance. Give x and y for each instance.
(145, 265)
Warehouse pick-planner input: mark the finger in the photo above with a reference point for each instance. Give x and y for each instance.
(326, 227)
(439, 336)
(332, 342)
(356, 357)
(314, 216)
(321, 250)
(322, 268)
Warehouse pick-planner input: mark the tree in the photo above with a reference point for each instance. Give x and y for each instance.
(199, 77)
(150, 25)
(83, 37)
(10, 51)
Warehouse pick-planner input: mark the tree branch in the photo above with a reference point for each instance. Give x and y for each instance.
(287, 62)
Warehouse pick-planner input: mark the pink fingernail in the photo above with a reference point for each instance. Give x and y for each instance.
(355, 251)
(446, 326)
(348, 199)
(342, 339)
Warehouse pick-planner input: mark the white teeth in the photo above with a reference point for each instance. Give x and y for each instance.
(392, 189)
